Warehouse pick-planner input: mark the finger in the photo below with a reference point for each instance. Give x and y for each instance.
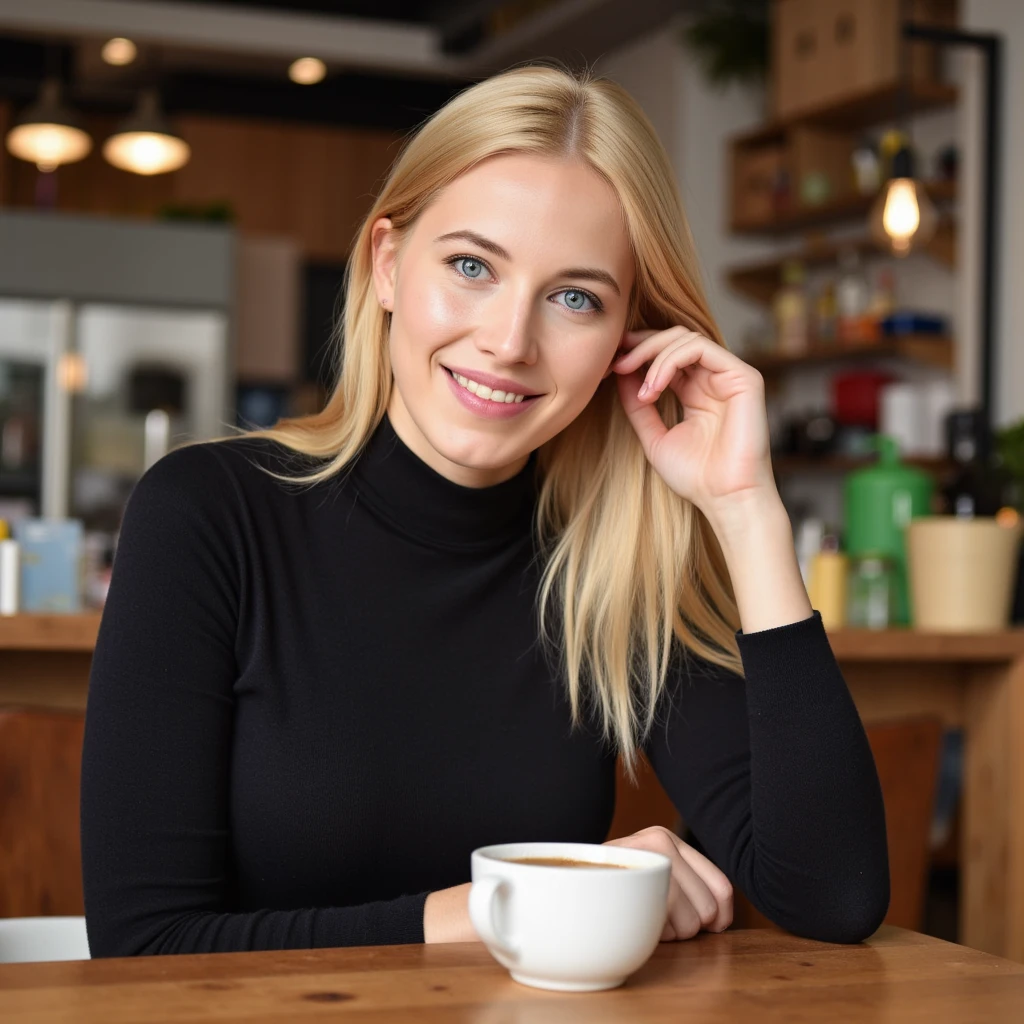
(682, 915)
(630, 339)
(646, 420)
(716, 882)
(643, 346)
(692, 888)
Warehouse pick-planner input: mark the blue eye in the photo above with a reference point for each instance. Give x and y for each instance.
(575, 299)
(471, 268)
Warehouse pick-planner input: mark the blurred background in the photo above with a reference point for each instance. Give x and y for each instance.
(180, 183)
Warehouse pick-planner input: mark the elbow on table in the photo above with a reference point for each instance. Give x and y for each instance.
(851, 913)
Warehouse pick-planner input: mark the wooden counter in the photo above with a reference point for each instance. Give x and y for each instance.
(763, 975)
(972, 682)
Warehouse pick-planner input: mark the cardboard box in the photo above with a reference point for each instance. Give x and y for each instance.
(824, 51)
(756, 173)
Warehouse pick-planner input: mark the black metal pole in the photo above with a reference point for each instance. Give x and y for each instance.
(991, 48)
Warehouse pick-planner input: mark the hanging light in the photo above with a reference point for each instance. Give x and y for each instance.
(49, 134)
(119, 51)
(146, 143)
(307, 70)
(903, 216)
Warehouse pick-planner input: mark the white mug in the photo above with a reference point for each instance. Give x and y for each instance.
(565, 928)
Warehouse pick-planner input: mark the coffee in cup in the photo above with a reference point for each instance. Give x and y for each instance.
(570, 930)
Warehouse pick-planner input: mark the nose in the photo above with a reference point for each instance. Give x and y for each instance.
(510, 332)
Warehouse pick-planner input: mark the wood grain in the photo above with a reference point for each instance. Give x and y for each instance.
(49, 632)
(740, 975)
(40, 774)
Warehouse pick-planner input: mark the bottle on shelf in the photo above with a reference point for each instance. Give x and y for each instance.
(825, 314)
(852, 301)
(10, 571)
(883, 298)
(978, 486)
(790, 308)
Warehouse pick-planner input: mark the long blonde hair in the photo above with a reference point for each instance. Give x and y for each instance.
(630, 564)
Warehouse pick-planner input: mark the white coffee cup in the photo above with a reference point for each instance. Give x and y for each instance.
(567, 928)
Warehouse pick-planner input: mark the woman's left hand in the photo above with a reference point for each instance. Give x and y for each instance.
(721, 449)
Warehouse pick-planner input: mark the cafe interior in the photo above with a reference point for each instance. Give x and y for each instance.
(180, 185)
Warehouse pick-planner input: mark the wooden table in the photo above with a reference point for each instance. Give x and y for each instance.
(738, 976)
(973, 682)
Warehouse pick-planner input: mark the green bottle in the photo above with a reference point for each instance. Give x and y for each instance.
(878, 502)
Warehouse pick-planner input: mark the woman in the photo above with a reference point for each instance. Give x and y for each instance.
(340, 654)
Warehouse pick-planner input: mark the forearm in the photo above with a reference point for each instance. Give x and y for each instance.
(757, 542)
(446, 916)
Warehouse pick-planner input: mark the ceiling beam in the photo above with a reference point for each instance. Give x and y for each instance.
(340, 41)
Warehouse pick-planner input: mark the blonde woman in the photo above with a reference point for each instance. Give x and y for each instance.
(534, 527)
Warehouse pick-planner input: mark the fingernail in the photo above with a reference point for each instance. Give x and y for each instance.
(644, 390)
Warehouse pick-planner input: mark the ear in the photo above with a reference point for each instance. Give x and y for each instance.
(384, 254)
(619, 353)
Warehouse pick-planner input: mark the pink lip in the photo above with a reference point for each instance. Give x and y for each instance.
(494, 383)
(484, 406)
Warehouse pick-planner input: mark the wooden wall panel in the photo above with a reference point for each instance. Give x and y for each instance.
(310, 183)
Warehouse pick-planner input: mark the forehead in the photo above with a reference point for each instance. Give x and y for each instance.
(533, 206)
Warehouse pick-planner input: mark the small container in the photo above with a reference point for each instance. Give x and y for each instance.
(827, 589)
(10, 572)
(871, 602)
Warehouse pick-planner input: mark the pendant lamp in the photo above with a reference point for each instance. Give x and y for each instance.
(49, 133)
(903, 217)
(146, 143)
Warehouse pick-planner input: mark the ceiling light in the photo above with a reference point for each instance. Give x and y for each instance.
(307, 70)
(49, 134)
(119, 51)
(903, 216)
(146, 143)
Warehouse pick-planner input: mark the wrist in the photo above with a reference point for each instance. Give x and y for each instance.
(741, 518)
(446, 916)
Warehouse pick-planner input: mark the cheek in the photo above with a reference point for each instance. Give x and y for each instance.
(433, 309)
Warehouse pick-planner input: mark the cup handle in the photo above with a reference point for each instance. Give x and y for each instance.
(481, 913)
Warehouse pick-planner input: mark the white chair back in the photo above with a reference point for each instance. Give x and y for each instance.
(28, 939)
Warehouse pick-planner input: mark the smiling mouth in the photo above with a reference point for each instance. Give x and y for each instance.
(474, 388)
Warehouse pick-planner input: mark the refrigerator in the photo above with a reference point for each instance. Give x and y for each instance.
(115, 347)
(92, 394)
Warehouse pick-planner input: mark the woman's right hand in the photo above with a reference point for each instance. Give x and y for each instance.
(699, 894)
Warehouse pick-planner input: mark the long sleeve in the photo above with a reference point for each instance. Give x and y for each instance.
(157, 841)
(775, 777)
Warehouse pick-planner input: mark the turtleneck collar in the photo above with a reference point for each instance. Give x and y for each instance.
(401, 488)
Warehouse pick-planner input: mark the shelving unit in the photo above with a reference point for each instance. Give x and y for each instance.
(761, 280)
(860, 110)
(839, 465)
(936, 351)
(834, 211)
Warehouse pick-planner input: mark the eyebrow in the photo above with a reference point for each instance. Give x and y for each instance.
(582, 273)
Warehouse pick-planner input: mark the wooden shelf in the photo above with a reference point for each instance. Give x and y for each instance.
(835, 465)
(49, 632)
(860, 110)
(914, 645)
(760, 281)
(933, 350)
(851, 207)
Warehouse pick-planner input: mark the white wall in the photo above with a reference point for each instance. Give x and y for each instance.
(1005, 17)
(694, 123)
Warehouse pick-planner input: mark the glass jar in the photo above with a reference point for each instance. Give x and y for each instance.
(871, 601)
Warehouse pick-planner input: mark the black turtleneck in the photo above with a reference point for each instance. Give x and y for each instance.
(308, 706)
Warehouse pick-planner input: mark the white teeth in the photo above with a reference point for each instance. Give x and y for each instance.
(482, 391)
